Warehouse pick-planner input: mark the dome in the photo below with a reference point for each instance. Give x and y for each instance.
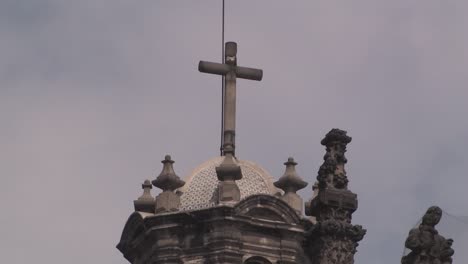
(200, 187)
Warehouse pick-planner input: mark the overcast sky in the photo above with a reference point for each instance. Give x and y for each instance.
(94, 93)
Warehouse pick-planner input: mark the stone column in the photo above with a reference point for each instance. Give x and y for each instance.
(333, 239)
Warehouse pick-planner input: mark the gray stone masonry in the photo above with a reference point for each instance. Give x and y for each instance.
(258, 227)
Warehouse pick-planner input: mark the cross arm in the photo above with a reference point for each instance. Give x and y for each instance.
(223, 69)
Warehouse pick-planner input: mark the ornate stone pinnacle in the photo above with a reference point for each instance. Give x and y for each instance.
(145, 203)
(332, 173)
(146, 186)
(167, 179)
(229, 170)
(290, 183)
(333, 239)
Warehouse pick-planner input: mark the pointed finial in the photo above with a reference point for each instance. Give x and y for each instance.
(168, 181)
(146, 186)
(290, 183)
(145, 203)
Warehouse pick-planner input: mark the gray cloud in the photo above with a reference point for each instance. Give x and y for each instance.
(94, 93)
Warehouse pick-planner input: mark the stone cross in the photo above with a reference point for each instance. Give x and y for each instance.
(231, 71)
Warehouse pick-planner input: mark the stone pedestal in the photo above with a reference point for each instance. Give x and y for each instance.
(228, 191)
(294, 200)
(167, 201)
(228, 172)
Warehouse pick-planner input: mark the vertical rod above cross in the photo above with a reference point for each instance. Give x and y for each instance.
(222, 84)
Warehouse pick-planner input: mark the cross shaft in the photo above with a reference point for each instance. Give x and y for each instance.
(231, 72)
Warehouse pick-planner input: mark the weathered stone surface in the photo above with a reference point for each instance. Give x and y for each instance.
(290, 183)
(258, 227)
(168, 181)
(166, 202)
(332, 173)
(145, 203)
(228, 172)
(228, 192)
(294, 200)
(333, 239)
(427, 246)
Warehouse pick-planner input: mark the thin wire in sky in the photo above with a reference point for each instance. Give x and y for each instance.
(222, 83)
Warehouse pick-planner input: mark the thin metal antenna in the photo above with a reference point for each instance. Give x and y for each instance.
(222, 85)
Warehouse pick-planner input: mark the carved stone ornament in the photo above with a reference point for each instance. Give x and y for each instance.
(168, 181)
(333, 239)
(290, 183)
(332, 173)
(427, 246)
(145, 203)
(334, 242)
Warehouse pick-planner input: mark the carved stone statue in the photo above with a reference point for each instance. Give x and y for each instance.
(427, 246)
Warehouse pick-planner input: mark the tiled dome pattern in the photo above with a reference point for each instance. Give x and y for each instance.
(200, 188)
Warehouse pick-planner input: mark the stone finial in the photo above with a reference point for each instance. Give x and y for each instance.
(290, 183)
(168, 181)
(332, 173)
(425, 242)
(145, 203)
(228, 172)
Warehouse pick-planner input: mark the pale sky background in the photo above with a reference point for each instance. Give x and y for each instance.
(94, 93)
